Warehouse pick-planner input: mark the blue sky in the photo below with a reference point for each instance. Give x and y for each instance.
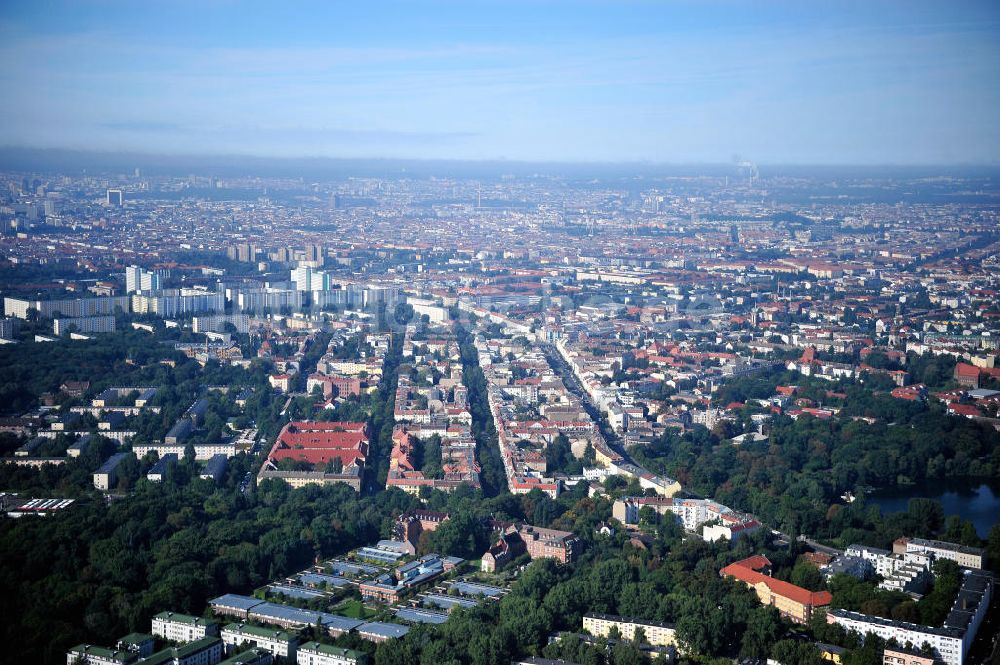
(813, 82)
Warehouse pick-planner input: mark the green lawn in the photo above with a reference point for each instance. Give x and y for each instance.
(354, 609)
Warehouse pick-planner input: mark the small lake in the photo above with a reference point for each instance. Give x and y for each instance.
(974, 500)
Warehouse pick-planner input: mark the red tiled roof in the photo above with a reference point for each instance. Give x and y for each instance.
(318, 443)
(321, 439)
(303, 426)
(964, 410)
(319, 455)
(964, 369)
(747, 571)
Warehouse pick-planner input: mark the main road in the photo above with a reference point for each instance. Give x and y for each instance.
(572, 383)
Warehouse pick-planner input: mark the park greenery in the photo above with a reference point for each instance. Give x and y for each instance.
(795, 479)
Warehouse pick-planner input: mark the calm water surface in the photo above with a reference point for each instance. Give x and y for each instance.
(975, 500)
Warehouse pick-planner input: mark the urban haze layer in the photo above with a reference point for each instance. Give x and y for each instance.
(419, 413)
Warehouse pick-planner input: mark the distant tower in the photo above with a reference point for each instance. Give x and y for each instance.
(116, 198)
(747, 167)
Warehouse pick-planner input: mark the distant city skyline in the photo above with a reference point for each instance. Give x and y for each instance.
(665, 82)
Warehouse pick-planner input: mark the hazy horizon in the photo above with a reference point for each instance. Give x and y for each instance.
(847, 83)
(15, 157)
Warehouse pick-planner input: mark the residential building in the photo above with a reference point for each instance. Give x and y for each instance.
(380, 631)
(138, 280)
(250, 657)
(349, 476)
(206, 651)
(217, 323)
(321, 442)
(967, 375)
(178, 302)
(657, 634)
(563, 546)
(84, 324)
(107, 475)
(537, 542)
(315, 653)
(178, 627)
(9, 327)
(94, 655)
(716, 520)
(307, 278)
(950, 642)
(202, 451)
(902, 656)
(908, 572)
(71, 308)
(277, 642)
(215, 467)
(139, 643)
(793, 602)
(967, 557)
(159, 470)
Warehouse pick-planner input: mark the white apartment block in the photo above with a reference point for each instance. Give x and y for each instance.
(66, 308)
(202, 451)
(947, 643)
(277, 642)
(94, 655)
(182, 627)
(307, 278)
(206, 651)
(691, 513)
(216, 323)
(657, 634)
(137, 279)
(900, 572)
(314, 653)
(967, 557)
(84, 324)
(269, 299)
(176, 303)
(882, 560)
(951, 641)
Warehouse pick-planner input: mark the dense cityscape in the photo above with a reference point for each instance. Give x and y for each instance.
(635, 417)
